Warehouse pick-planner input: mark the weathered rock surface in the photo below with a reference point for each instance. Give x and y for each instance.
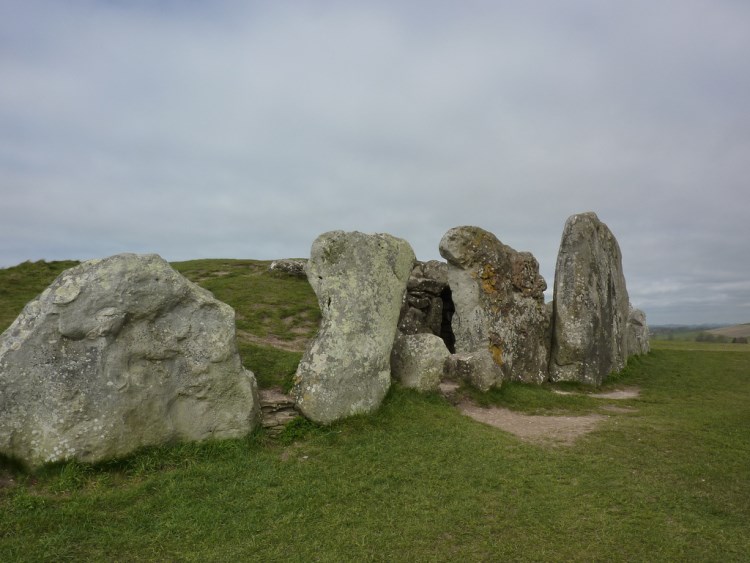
(360, 281)
(418, 360)
(277, 410)
(118, 354)
(477, 368)
(290, 266)
(637, 333)
(428, 307)
(590, 304)
(500, 319)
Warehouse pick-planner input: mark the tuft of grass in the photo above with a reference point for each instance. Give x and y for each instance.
(272, 367)
(534, 399)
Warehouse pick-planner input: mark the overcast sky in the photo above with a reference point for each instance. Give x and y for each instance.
(245, 129)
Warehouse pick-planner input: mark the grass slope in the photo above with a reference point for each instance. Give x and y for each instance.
(417, 481)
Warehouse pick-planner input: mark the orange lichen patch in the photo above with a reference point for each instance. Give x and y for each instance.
(496, 348)
(489, 279)
(497, 354)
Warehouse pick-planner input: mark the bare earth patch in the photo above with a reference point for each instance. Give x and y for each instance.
(547, 430)
(631, 393)
(6, 481)
(618, 394)
(296, 345)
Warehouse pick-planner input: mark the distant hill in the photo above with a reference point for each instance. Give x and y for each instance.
(699, 333)
(735, 331)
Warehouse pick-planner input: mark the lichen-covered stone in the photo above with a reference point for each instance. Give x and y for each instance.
(418, 360)
(291, 266)
(500, 314)
(476, 368)
(118, 354)
(360, 281)
(638, 343)
(590, 304)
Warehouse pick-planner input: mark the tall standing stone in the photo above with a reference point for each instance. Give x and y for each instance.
(360, 281)
(638, 343)
(118, 354)
(500, 322)
(590, 304)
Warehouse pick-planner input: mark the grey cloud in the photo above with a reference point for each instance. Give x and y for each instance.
(246, 129)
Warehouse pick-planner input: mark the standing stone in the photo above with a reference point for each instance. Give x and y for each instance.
(118, 354)
(360, 282)
(590, 304)
(637, 333)
(501, 324)
(418, 360)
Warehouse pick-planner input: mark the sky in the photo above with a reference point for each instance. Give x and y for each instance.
(245, 129)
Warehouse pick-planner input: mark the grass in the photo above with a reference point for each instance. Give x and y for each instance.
(698, 346)
(417, 481)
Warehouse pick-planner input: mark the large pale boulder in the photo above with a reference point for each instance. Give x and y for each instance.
(638, 343)
(476, 368)
(500, 319)
(118, 354)
(360, 281)
(590, 304)
(418, 360)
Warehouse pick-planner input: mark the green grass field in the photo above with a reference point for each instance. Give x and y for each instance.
(667, 480)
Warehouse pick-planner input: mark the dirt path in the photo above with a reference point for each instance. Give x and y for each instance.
(547, 430)
(630, 393)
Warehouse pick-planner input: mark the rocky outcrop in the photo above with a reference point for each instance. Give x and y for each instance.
(291, 266)
(118, 354)
(418, 360)
(590, 304)
(360, 281)
(500, 319)
(637, 333)
(277, 410)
